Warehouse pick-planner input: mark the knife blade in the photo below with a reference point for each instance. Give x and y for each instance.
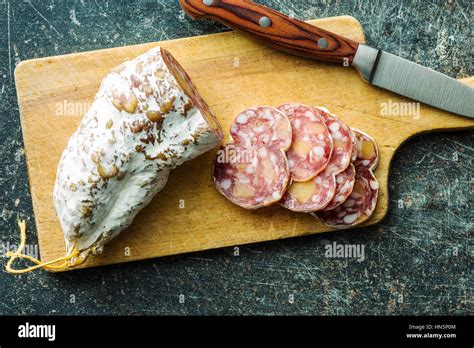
(381, 69)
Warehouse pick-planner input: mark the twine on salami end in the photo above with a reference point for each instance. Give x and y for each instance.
(75, 254)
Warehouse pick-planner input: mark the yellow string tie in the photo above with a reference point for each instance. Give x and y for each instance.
(46, 265)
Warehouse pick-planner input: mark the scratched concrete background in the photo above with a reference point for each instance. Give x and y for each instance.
(417, 261)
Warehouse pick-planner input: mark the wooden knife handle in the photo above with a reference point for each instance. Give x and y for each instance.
(275, 29)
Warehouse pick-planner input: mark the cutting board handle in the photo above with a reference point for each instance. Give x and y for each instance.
(275, 29)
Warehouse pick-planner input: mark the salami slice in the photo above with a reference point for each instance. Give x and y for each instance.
(319, 192)
(254, 184)
(342, 142)
(358, 207)
(263, 125)
(311, 145)
(311, 195)
(367, 151)
(344, 186)
(253, 171)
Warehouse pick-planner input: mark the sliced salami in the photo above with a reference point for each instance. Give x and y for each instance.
(311, 145)
(252, 184)
(358, 207)
(344, 186)
(367, 151)
(253, 171)
(311, 195)
(342, 142)
(263, 125)
(319, 192)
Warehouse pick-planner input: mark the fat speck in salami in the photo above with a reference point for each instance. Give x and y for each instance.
(367, 151)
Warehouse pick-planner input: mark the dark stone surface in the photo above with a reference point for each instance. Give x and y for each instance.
(417, 261)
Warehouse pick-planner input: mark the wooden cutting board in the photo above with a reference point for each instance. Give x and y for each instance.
(232, 73)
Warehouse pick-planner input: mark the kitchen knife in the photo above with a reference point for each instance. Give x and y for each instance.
(379, 68)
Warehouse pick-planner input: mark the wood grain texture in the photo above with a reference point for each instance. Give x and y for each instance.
(286, 34)
(232, 73)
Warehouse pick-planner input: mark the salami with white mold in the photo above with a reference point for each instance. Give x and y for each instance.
(146, 119)
(312, 143)
(252, 171)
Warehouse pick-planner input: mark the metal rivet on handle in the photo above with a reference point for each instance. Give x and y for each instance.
(323, 43)
(207, 2)
(265, 22)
